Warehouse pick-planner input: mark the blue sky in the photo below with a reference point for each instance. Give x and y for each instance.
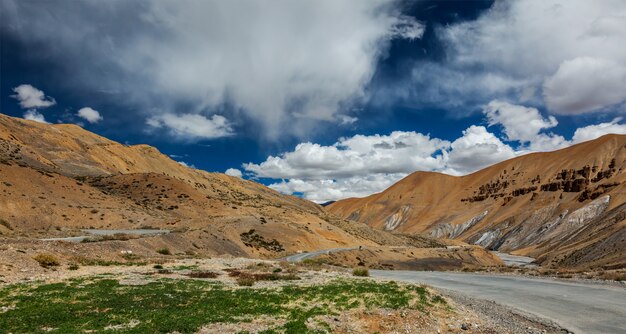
(322, 99)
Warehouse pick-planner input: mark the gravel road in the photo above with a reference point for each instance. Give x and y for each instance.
(579, 307)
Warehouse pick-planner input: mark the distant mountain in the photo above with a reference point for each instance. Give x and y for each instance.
(567, 207)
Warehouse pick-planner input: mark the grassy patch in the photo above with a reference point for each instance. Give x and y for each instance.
(171, 305)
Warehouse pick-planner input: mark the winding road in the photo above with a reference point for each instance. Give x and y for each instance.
(578, 307)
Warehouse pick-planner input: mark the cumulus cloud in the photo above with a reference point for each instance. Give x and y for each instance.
(585, 84)
(192, 126)
(524, 124)
(398, 152)
(34, 115)
(274, 63)
(477, 148)
(234, 172)
(89, 114)
(598, 130)
(568, 55)
(31, 97)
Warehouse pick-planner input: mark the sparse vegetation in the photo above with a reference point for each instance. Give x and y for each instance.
(164, 251)
(73, 266)
(106, 263)
(245, 281)
(46, 260)
(202, 274)
(77, 306)
(254, 240)
(360, 272)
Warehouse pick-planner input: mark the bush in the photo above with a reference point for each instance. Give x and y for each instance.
(73, 266)
(245, 281)
(202, 274)
(277, 270)
(47, 260)
(157, 266)
(361, 272)
(164, 251)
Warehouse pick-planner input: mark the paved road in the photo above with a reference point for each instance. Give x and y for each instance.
(578, 307)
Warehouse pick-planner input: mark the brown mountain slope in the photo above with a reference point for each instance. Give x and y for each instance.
(564, 207)
(58, 179)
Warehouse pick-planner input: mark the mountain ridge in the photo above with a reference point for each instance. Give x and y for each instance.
(496, 206)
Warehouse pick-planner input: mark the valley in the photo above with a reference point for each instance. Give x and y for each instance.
(79, 210)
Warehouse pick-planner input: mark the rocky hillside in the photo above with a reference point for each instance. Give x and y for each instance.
(567, 207)
(56, 180)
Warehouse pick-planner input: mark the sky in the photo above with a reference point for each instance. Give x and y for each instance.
(324, 99)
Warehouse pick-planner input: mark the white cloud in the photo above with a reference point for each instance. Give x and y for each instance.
(90, 115)
(192, 126)
(234, 172)
(516, 46)
(524, 124)
(31, 97)
(285, 65)
(321, 191)
(476, 149)
(598, 130)
(399, 152)
(585, 84)
(34, 115)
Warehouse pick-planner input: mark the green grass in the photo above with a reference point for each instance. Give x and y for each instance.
(171, 305)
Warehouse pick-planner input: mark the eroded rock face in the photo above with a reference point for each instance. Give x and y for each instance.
(488, 238)
(588, 212)
(397, 218)
(446, 230)
(543, 225)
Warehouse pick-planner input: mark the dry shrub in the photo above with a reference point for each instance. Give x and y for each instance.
(46, 260)
(203, 274)
(245, 281)
(361, 272)
(262, 276)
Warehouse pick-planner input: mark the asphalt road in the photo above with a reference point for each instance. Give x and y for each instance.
(578, 307)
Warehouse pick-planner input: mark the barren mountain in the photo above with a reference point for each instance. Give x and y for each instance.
(56, 180)
(566, 208)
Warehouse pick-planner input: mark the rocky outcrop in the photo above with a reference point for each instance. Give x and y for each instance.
(446, 230)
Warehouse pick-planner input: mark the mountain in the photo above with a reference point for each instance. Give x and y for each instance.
(56, 180)
(566, 208)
